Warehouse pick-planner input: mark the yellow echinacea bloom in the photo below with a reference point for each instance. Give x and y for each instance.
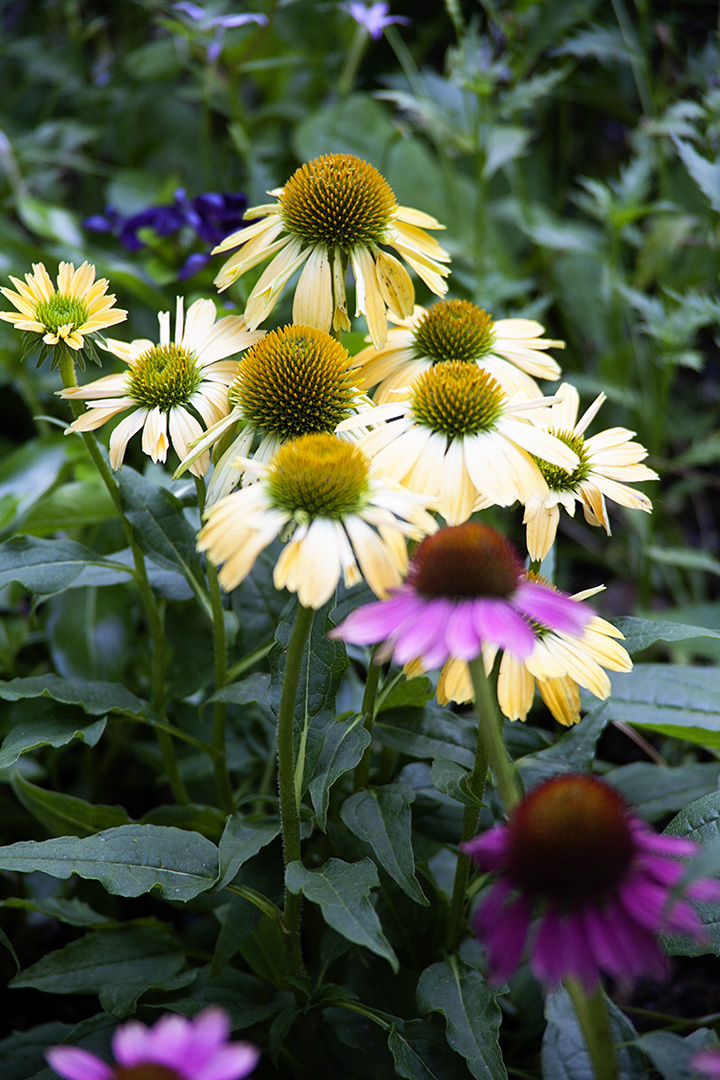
(334, 212)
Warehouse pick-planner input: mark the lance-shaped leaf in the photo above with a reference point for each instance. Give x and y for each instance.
(381, 817)
(57, 726)
(471, 1013)
(96, 698)
(46, 567)
(564, 1055)
(128, 861)
(680, 700)
(63, 814)
(343, 747)
(240, 841)
(420, 1052)
(342, 890)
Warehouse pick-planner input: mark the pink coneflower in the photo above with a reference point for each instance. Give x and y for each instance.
(465, 586)
(598, 877)
(174, 1048)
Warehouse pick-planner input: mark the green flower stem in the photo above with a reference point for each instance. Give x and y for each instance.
(289, 803)
(152, 611)
(222, 779)
(592, 1015)
(476, 785)
(372, 680)
(353, 59)
(504, 772)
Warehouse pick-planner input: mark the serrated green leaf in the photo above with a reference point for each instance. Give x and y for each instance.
(128, 860)
(706, 174)
(94, 697)
(471, 1013)
(342, 890)
(162, 530)
(117, 965)
(381, 817)
(240, 841)
(564, 1055)
(63, 814)
(671, 1054)
(53, 727)
(420, 1054)
(700, 822)
(641, 633)
(46, 567)
(675, 699)
(654, 792)
(343, 747)
(452, 779)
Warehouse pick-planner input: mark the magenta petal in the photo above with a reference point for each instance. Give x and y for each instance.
(72, 1063)
(642, 952)
(379, 620)
(230, 1063)
(488, 849)
(505, 938)
(172, 1041)
(425, 635)
(552, 609)
(671, 846)
(461, 636)
(131, 1043)
(497, 622)
(707, 1062)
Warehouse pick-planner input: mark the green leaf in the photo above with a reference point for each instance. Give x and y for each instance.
(117, 965)
(247, 999)
(420, 1054)
(73, 505)
(654, 792)
(23, 1053)
(240, 841)
(671, 1054)
(564, 1055)
(573, 751)
(452, 779)
(686, 559)
(91, 632)
(239, 920)
(162, 530)
(343, 747)
(53, 727)
(342, 891)
(675, 699)
(70, 912)
(62, 814)
(94, 697)
(471, 1013)
(6, 942)
(381, 817)
(427, 733)
(50, 222)
(641, 633)
(706, 174)
(29, 471)
(700, 822)
(128, 861)
(46, 567)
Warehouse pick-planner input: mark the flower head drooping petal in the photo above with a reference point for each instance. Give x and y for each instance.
(175, 1048)
(345, 520)
(560, 662)
(374, 17)
(333, 213)
(573, 854)
(170, 385)
(512, 351)
(608, 461)
(78, 308)
(465, 589)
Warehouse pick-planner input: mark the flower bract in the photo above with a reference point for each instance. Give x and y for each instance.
(598, 879)
(465, 588)
(344, 521)
(336, 212)
(167, 385)
(175, 1048)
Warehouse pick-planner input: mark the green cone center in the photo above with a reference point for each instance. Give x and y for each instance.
(337, 200)
(454, 330)
(61, 311)
(456, 398)
(164, 376)
(558, 479)
(295, 381)
(318, 476)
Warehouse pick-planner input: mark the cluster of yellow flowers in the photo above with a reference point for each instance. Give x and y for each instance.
(349, 457)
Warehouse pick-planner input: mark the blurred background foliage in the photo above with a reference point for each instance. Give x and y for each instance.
(572, 148)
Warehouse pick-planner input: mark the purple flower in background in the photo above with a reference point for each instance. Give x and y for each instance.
(211, 216)
(218, 24)
(374, 17)
(707, 1062)
(600, 880)
(180, 1049)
